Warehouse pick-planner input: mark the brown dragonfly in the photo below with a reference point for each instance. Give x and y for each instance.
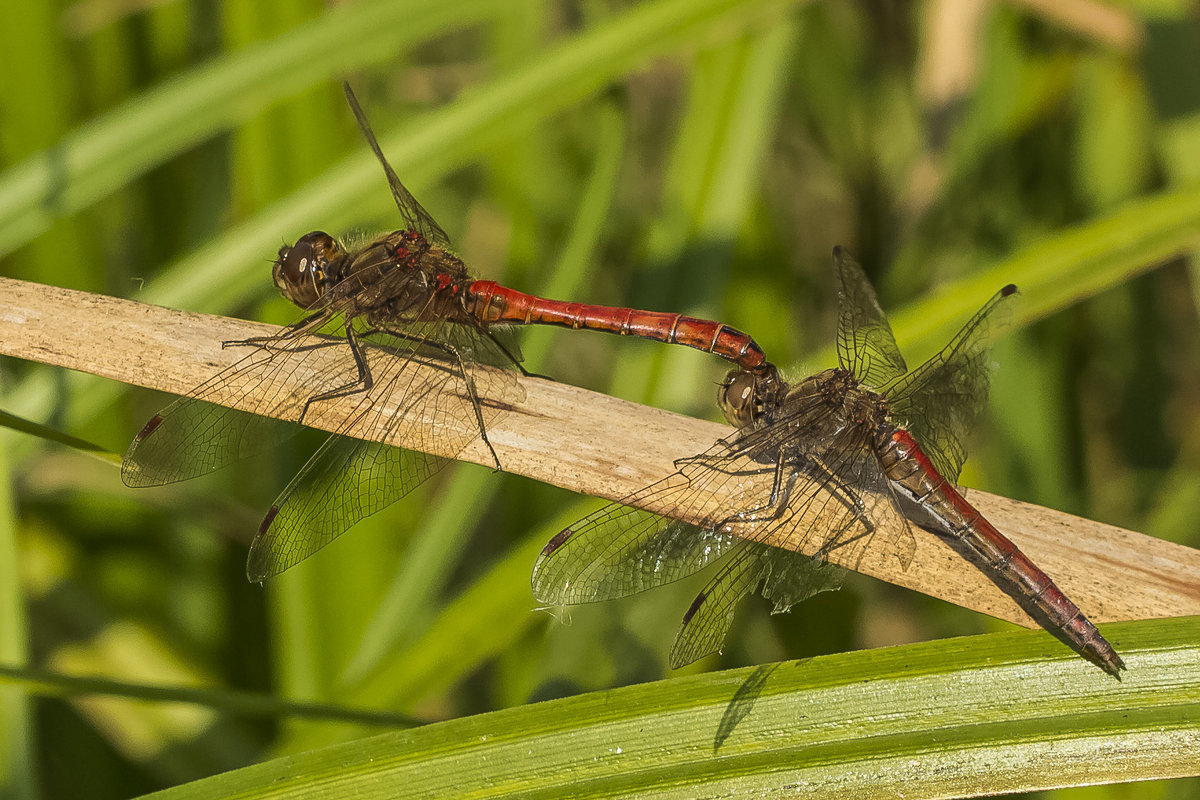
(867, 449)
(413, 331)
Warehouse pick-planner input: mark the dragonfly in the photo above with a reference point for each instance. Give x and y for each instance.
(400, 334)
(845, 461)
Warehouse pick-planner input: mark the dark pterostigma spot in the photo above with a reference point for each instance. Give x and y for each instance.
(558, 541)
(149, 428)
(694, 607)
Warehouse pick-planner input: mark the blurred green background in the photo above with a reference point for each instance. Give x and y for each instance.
(701, 157)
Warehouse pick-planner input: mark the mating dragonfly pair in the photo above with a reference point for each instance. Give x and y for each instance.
(868, 449)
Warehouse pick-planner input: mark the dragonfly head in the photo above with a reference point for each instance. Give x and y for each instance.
(300, 270)
(746, 395)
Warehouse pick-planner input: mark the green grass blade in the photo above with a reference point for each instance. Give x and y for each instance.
(13, 422)
(1065, 268)
(106, 153)
(986, 714)
(17, 749)
(54, 684)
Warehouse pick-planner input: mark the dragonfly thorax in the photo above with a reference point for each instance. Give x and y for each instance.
(835, 403)
(301, 271)
(863, 406)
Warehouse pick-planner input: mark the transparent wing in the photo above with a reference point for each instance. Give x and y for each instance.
(193, 437)
(345, 481)
(427, 393)
(784, 577)
(821, 515)
(198, 434)
(834, 499)
(774, 486)
(349, 479)
(621, 549)
(416, 217)
(865, 344)
(939, 401)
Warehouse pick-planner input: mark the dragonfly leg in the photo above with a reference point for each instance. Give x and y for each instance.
(459, 368)
(781, 491)
(312, 321)
(777, 489)
(776, 507)
(851, 499)
(714, 464)
(362, 384)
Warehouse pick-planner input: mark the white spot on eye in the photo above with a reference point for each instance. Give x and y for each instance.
(303, 264)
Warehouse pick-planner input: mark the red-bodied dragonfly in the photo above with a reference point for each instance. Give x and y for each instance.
(416, 329)
(841, 448)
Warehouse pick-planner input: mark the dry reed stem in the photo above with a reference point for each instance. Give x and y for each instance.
(608, 447)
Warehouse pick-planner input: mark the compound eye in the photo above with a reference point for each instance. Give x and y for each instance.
(738, 397)
(299, 271)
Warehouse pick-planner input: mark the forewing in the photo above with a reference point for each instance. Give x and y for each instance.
(621, 549)
(424, 395)
(194, 436)
(938, 402)
(865, 344)
(345, 481)
(416, 217)
(190, 438)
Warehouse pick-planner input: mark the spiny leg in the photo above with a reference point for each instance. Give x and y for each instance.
(781, 490)
(314, 320)
(362, 384)
(460, 367)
